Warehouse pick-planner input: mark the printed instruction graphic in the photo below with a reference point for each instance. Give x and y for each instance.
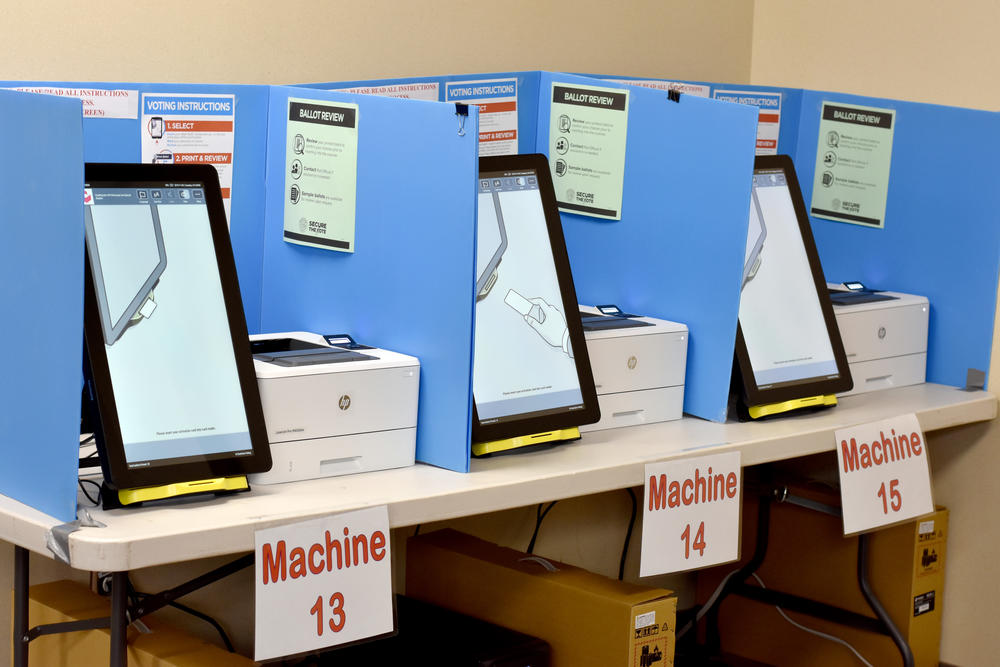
(97, 102)
(696, 89)
(547, 320)
(588, 128)
(321, 171)
(768, 115)
(853, 157)
(180, 128)
(426, 90)
(497, 102)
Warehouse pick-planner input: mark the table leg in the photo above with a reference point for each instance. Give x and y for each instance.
(20, 629)
(119, 619)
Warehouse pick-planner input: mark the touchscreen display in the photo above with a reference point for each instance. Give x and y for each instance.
(166, 332)
(523, 365)
(780, 313)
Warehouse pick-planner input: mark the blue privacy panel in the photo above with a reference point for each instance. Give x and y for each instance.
(41, 296)
(118, 140)
(677, 252)
(410, 284)
(942, 224)
(527, 96)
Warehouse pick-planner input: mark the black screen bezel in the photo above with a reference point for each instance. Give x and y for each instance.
(590, 413)
(751, 393)
(108, 435)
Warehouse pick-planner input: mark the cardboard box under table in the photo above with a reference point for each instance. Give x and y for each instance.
(586, 618)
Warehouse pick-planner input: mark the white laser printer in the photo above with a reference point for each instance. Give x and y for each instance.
(885, 336)
(333, 406)
(638, 365)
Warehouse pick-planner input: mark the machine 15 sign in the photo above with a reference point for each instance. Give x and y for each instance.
(322, 582)
(884, 477)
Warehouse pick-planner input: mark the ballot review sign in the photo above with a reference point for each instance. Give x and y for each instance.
(588, 128)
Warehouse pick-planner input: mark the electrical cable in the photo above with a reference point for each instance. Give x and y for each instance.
(628, 535)
(135, 597)
(539, 516)
(705, 607)
(94, 502)
(208, 619)
(817, 633)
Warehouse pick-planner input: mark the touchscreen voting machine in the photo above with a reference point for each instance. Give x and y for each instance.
(174, 398)
(531, 377)
(788, 349)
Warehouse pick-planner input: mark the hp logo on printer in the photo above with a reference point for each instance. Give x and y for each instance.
(632, 363)
(345, 402)
(881, 332)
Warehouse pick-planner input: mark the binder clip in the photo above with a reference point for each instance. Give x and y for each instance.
(462, 111)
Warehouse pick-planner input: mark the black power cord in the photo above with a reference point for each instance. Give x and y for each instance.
(628, 535)
(539, 516)
(94, 502)
(135, 597)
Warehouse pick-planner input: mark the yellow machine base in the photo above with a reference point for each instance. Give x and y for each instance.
(217, 485)
(507, 444)
(758, 411)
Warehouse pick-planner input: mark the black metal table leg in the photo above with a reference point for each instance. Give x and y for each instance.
(119, 619)
(20, 629)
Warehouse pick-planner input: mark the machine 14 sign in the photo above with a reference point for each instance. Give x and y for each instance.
(691, 514)
(884, 477)
(322, 582)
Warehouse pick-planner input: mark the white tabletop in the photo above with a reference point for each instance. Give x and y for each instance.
(601, 461)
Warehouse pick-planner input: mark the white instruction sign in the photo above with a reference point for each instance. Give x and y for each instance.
(768, 115)
(424, 90)
(178, 128)
(696, 89)
(884, 477)
(497, 102)
(322, 582)
(97, 102)
(691, 514)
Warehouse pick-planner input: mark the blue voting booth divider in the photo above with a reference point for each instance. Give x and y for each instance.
(942, 224)
(118, 140)
(679, 244)
(942, 229)
(410, 284)
(41, 295)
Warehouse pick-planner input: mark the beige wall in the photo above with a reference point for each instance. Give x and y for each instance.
(942, 53)
(920, 50)
(261, 41)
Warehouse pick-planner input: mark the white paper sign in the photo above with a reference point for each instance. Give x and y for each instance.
(768, 116)
(322, 582)
(97, 102)
(182, 128)
(884, 478)
(691, 514)
(497, 102)
(656, 84)
(426, 90)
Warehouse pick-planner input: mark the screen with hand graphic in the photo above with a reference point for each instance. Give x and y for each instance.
(524, 361)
